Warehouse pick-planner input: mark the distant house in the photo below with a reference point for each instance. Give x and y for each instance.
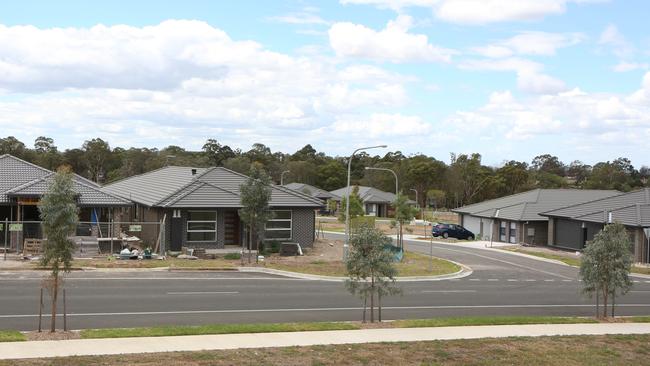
(22, 184)
(516, 218)
(200, 207)
(315, 192)
(573, 226)
(376, 202)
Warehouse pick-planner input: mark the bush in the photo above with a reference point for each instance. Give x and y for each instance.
(232, 256)
(357, 222)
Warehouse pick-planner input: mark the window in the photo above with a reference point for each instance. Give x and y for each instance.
(513, 232)
(279, 227)
(502, 231)
(201, 226)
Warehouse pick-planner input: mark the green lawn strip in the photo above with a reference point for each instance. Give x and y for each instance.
(413, 264)
(163, 331)
(11, 336)
(568, 260)
(499, 320)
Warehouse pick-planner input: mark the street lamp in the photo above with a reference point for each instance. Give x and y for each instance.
(282, 177)
(396, 194)
(347, 201)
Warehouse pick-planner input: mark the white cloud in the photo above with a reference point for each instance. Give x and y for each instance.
(614, 39)
(571, 113)
(531, 43)
(630, 66)
(530, 76)
(393, 43)
(380, 125)
(480, 11)
(176, 82)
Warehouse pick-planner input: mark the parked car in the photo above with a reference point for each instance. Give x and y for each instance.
(452, 231)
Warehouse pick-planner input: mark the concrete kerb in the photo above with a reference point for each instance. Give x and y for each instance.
(463, 272)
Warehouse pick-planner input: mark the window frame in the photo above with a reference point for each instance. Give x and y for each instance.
(289, 220)
(188, 231)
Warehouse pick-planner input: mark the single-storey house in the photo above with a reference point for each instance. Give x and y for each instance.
(516, 218)
(22, 184)
(376, 202)
(315, 192)
(573, 226)
(199, 208)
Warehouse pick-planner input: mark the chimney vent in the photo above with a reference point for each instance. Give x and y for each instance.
(193, 171)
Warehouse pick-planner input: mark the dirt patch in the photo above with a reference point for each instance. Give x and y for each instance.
(46, 335)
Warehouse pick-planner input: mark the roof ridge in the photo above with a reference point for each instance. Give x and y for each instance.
(26, 162)
(152, 171)
(192, 180)
(586, 202)
(498, 198)
(280, 187)
(29, 184)
(200, 184)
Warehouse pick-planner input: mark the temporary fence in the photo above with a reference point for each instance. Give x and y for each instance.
(90, 237)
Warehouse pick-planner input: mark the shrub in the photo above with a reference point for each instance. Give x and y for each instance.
(232, 256)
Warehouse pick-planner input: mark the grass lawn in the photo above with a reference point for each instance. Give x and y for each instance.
(214, 329)
(412, 264)
(496, 320)
(568, 260)
(564, 351)
(11, 336)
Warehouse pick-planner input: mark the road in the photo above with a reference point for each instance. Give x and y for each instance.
(501, 284)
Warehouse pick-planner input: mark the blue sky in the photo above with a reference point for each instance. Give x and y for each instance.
(507, 79)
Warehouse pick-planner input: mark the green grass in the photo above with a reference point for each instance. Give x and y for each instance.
(572, 261)
(163, 331)
(413, 264)
(11, 336)
(486, 320)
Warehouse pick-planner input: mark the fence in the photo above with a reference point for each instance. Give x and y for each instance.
(99, 237)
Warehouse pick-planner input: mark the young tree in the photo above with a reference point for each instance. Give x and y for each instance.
(404, 213)
(370, 268)
(255, 197)
(60, 215)
(356, 205)
(606, 264)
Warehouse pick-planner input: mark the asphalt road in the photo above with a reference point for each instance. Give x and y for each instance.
(501, 284)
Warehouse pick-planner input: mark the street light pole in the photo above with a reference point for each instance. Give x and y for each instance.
(347, 200)
(282, 177)
(417, 204)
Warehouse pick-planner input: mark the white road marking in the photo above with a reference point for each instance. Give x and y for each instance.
(493, 279)
(549, 280)
(474, 279)
(446, 291)
(202, 292)
(512, 280)
(567, 280)
(230, 311)
(530, 280)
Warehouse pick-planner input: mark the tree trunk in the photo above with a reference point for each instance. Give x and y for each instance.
(365, 302)
(597, 312)
(55, 292)
(613, 302)
(379, 305)
(605, 293)
(372, 300)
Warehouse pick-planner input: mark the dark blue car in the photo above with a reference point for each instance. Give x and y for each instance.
(451, 231)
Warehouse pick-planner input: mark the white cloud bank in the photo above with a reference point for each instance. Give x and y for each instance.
(392, 44)
(480, 11)
(177, 82)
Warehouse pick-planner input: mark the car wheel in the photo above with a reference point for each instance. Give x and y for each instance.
(471, 237)
(445, 235)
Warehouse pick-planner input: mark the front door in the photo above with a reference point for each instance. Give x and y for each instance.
(231, 228)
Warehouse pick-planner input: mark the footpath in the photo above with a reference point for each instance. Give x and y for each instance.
(113, 346)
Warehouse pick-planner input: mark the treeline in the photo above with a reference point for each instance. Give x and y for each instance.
(462, 181)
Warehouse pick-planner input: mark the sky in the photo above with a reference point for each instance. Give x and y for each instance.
(507, 79)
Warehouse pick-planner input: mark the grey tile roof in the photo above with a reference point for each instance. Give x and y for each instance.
(311, 190)
(527, 206)
(21, 178)
(212, 187)
(152, 187)
(369, 195)
(632, 209)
